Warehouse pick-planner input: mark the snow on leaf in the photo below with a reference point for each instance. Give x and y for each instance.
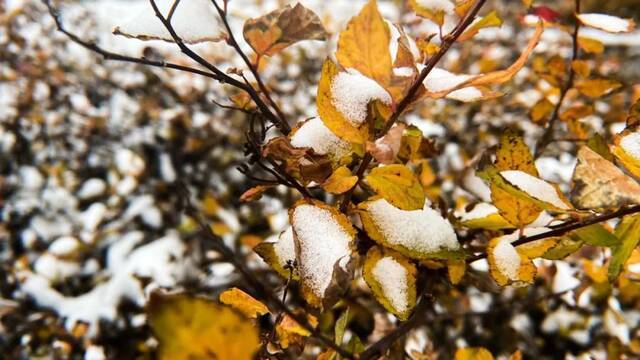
(607, 23)
(598, 184)
(364, 45)
(323, 238)
(243, 302)
(194, 21)
(270, 33)
(333, 119)
(280, 255)
(484, 216)
(434, 10)
(548, 195)
(392, 279)
(340, 181)
(352, 92)
(398, 185)
(506, 264)
(314, 134)
(206, 329)
(627, 149)
(417, 234)
(628, 231)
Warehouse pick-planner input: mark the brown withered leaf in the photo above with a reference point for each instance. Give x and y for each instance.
(300, 162)
(598, 184)
(270, 33)
(385, 148)
(254, 193)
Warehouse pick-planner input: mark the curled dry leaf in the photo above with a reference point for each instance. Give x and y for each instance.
(207, 329)
(598, 184)
(386, 148)
(270, 33)
(627, 149)
(243, 302)
(194, 21)
(392, 279)
(324, 239)
(397, 184)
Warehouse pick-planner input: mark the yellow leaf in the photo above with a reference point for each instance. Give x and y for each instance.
(484, 216)
(590, 46)
(340, 181)
(280, 255)
(364, 45)
(270, 33)
(435, 14)
(598, 184)
(596, 273)
(243, 302)
(291, 333)
(392, 279)
(541, 111)
(514, 154)
(581, 67)
(456, 270)
(596, 88)
(398, 185)
(477, 353)
(332, 117)
(536, 249)
(462, 6)
(490, 20)
(507, 265)
(627, 149)
(196, 328)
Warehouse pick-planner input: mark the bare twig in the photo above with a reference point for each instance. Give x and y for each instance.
(430, 63)
(547, 137)
(284, 126)
(563, 229)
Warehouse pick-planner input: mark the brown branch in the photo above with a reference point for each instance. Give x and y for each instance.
(283, 124)
(430, 64)
(547, 137)
(565, 228)
(255, 284)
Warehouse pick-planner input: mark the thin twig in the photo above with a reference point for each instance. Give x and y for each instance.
(547, 137)
(283, 124)
(563, 229)
(430, 64)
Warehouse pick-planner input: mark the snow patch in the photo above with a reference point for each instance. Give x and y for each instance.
(631, 144)
(314, 134)
(392, 277)
(536, 188)
(352, 92)
(607, 23)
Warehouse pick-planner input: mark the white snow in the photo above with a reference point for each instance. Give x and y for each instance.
(55, 269)
(534, 187)
(94, 352)
(445, 6)
(507, 258)
(64, 246)
(443, 80)
(564, 279)
(194, 21)
(423, 231)
(351, 93)
(403, 71)
(128, 162)
(481, 210)
(322, 242)
(392, 277)
(607, 23)
(631, 144)
(316, 135)
(92, 188)
(285, 247)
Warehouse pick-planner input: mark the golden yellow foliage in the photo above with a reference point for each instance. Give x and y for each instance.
(398, 185)
(243, 302)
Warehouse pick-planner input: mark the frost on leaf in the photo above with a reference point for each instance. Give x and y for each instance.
(323, 238)
(398, 185)
(598, 184)
(280, 255)
(194, 21)
(392, 279)
(418, 234)
(607, 23)
(206, 329)
(314, 134)
(627, 150)
(270, 33)
(512, 265)
(484, 216)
